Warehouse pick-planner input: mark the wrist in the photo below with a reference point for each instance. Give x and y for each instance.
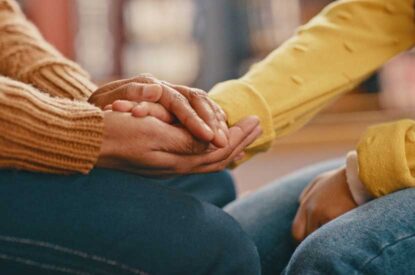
(358, 190)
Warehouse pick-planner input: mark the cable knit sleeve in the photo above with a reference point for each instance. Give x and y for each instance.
(25, 56)
(47, 134)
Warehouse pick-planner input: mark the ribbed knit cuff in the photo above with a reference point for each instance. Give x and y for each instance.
(239, 100)
(45, 134)
(60, 78)
(25, 56)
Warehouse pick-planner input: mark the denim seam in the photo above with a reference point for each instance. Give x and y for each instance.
(71, 252)
(383, 249)
(30, 262)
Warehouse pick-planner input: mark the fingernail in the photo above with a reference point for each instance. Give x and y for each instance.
(253, 120)
(258, 130)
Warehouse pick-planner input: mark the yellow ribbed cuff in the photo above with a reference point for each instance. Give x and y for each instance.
(383, 165)
(239, 100)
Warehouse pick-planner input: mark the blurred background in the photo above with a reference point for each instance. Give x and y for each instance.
(202, 42)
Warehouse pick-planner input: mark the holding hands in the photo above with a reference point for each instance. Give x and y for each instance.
(156, 128)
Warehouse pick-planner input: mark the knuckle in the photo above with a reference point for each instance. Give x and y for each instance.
(199, 91)
(179, 99)
(132, 90)
(197, 94)
(145, 78)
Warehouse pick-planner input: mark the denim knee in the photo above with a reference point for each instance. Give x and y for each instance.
(234, 251)
(225, 182)
(324, 252)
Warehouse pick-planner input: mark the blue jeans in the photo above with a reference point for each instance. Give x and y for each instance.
(376, 238)
(118, 223)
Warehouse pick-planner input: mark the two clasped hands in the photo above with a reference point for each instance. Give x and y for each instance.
(154, 128)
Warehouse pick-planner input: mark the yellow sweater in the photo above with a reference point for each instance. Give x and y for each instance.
(330, 55)
(45, 123)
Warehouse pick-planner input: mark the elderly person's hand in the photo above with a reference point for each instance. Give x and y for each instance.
(194, 110)
(149, 146)
(327, 197)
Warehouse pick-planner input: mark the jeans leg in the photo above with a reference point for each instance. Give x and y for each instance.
(267, 215)
(215, 188)
(376, 238)
(114, 223)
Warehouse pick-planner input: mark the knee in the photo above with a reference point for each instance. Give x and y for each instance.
(326, 251)
(230, 249)
(225, 183)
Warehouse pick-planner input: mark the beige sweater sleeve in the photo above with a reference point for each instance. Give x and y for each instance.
(45, 123)
(46, 134)
(25, 56)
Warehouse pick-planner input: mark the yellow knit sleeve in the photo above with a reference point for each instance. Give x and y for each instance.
(25, 56)
(386, 156)
(330, 55)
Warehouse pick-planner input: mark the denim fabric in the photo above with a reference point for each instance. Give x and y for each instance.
(267, 216)
(117, 223)
(376, 238)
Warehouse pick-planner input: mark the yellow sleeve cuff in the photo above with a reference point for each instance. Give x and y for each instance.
(383, 165)
(239, 100)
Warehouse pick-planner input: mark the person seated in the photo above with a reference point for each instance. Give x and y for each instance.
(73, 196)
(348, 219)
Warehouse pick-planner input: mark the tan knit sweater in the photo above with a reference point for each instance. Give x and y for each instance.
(46, 125)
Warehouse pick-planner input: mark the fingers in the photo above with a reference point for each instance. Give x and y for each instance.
(144, 109)
(141, 79)
(181, 145)
(123, 106)
(212, 114)
(313, 222)
(178, 105)
(239, 157)
(147, 88)
(207, 113)
(214, 167)
(243, 134)
(307, 190)
(141, 110)
(130, 91)
(299, 226)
